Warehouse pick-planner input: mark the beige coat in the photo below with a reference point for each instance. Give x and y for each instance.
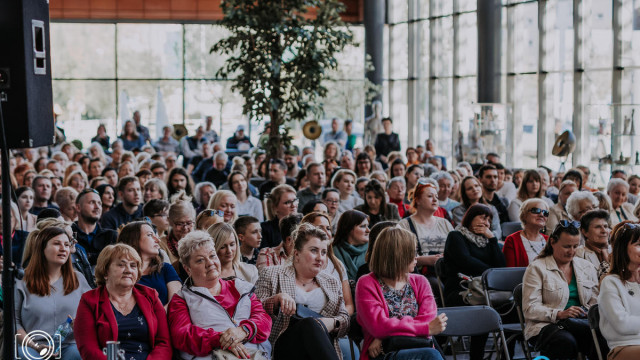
(545, 291)
(556, 213)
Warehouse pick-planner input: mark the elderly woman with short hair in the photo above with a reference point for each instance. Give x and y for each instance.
(617, 189)
(121, 310)
(303, 283)
(596, 230)
(522, 247)
(211, 314)
(579, 203)
(559, 211)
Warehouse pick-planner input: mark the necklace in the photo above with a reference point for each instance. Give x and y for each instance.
(530, 244)
(123, 310)
(309, 283)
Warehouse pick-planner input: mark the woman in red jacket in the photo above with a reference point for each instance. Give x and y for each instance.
(522, 247)
(210, 314)
(120, 310)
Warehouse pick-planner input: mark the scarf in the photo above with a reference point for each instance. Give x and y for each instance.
(352, 257)
(478, 240)
(172, 242)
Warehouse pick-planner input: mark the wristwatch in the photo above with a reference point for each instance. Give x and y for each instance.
(336, 324)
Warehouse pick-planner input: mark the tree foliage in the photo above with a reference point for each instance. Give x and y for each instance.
(279, 53)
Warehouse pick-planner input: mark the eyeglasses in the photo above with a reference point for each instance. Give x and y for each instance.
(183, 224)
(332, 202)
(292, 202)
(568, 223)
(537, 211)
(211, 212)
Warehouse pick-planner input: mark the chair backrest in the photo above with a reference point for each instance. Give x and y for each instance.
(517, 295)
(485, 320)
(439, 268)
(594, 317)
(509, 228)
(503, 279)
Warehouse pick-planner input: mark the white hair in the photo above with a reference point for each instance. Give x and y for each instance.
(221, 155)
(615, 182)
(440, 175)
(397, 179)
(575, 198)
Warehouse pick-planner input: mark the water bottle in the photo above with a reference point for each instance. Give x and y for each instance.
(63, 330)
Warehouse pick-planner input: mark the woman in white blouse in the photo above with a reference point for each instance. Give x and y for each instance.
(345, 182)
(619, 296)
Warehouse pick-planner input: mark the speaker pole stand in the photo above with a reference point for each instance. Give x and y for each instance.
(8, 280)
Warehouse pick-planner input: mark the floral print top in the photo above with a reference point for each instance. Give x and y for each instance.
(401, 302)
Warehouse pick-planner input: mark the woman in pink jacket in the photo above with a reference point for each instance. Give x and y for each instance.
(393, 302)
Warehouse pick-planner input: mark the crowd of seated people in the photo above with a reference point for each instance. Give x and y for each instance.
(176, 249)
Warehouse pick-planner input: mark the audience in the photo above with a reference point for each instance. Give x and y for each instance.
(522, 247)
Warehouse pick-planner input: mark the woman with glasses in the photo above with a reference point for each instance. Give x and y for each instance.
(345, 182)
(247, 204)
(617, 189)
(331, 198)
(158, 213)
(579, 203)
(522, 247)
(182, 217)
(618, 301)
(559, 211)
(155, 273)
(364, 165)
(595, 229)
(471, 249)
(471, 194)
(282, 201)
(557, 290)
(227, 202)
(228, 250)
(431, 231)
(48, 294)
(375, 204)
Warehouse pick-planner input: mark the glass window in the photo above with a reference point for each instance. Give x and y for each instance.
(526, 109)
(150, 51)
(442, 55)
(398, 11)
(398, 51)
(83, 50)
(441, 7)
(399, 108)
(198, 40)
(441, 114)
(423, 35)
(599, 35)
(558, 46)
(467, 5)
(467, 45)
(525, 50)
(558, 115)
(85, 104)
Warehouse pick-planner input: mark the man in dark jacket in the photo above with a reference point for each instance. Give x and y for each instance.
(129, 209)
(387, 141)
(89, 234)
(239, 138)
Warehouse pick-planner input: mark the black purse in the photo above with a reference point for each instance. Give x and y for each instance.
(396, 343)
(303, 312)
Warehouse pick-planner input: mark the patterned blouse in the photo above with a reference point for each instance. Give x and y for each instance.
(401, 302)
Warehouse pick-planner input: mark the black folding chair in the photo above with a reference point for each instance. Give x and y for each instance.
(355, 335)
(505, 279)
(509, 228)
(517, 299)
(439, 268)
(594, 323)
(485, 320)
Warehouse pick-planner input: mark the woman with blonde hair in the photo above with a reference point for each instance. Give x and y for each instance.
(77, 180)
(155, 189)
(97, 152)
(345, 181)
(66, 200)
(281, 202)
(228, 250)
(225, 201)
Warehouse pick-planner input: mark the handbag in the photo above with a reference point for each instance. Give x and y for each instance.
(228, 355)
(473, 294)
(396, 343)
(303, 312)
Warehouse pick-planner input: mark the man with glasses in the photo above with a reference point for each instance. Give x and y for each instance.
(89, 234)
(488, 176)
(158, 170)
(130, 208)
(317, 179)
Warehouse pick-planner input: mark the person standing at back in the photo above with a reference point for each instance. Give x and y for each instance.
(387, 141)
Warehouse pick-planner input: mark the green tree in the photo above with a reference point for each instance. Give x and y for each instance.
(279, 54)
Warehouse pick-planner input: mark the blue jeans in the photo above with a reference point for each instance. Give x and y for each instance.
(346, 349)
(412, 354)
(69, 352)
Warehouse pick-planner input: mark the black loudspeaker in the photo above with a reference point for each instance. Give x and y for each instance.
(25, 73)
